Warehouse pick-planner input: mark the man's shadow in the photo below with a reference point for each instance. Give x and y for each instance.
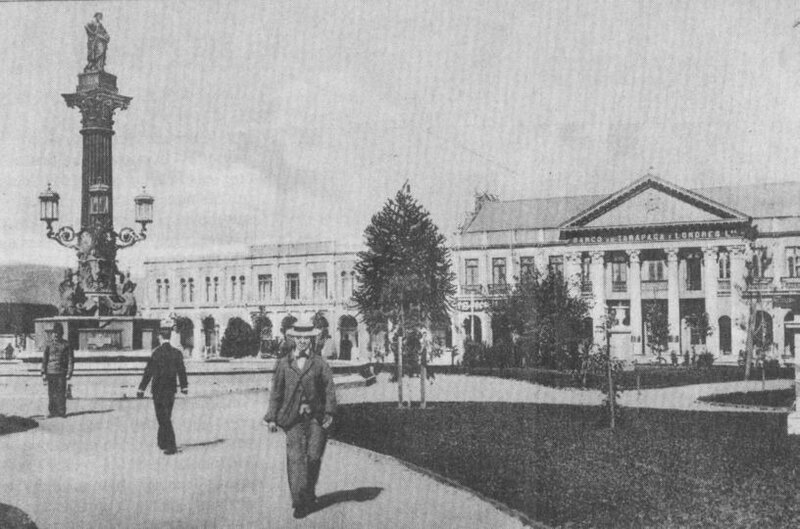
(360, 494)
(201, 443)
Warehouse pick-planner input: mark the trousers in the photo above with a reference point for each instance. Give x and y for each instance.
(57, 395)
(305, 444)
(166, 434)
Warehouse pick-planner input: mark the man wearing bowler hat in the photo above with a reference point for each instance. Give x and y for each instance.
(302, 402)
(164, 367)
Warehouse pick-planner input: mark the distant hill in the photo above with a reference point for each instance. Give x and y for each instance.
(30, 283)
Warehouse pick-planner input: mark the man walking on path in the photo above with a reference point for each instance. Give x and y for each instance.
(164, 366)
(57, 365)
(302, 402)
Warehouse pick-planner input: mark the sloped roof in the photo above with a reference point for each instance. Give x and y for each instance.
(29, 283)
(756, 200)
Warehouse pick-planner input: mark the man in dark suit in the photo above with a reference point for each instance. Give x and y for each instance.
(302, 402)
(57, 364)
(164, 367)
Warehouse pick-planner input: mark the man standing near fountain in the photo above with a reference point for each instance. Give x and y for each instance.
(57, 365)
(164, 367)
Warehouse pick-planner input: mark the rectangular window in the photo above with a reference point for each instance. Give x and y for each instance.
(471, 272)
(693, 273)
(557, 264)
(499, 271)
(793, 261)
(264, 286)
(653, 271)
(724, 264)
(759, 263)
(320, 285)
(293, 286)
(527, 268)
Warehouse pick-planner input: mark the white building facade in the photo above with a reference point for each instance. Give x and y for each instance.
(274, 281)
(651, 244)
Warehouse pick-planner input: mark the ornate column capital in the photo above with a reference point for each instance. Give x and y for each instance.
(633, 255)
(598, 256)
(672, 255)
(737, 251)
(573, 257)
(710, 252)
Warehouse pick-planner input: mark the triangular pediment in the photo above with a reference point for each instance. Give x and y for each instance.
(651, 201)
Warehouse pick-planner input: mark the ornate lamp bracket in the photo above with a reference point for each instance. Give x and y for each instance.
(127, 237)
(65, 235)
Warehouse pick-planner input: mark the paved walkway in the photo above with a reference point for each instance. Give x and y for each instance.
(100, 466)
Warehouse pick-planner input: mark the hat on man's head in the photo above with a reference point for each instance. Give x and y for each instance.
(304, 326)
(167, 323)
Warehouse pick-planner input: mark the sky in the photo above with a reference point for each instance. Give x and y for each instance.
(257, 122)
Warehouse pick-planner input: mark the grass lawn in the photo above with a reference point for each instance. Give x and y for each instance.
(661, 468)
(13, 424)
(648, 376)
(779, 398)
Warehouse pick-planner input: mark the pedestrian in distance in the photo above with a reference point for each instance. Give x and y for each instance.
(302, 403)
(58, 362)
(166, 369)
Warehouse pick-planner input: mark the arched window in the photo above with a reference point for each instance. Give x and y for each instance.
(233, 288)
(208, 289)
(183, 290)
(216, 289)
(344, 285)
(241, 288)
(166, 291)
(352, 283)
(472, 329)
(725, 335)
(158, 291)
(191, 290)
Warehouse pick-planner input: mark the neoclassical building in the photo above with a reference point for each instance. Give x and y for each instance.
(650, 248)
(275, 281)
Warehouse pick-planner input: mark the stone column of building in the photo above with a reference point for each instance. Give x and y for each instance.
(710, 274)
(635, 285)
(572, 272)
(199, 340)
(738, 308)
(673, 300)
(599, 294)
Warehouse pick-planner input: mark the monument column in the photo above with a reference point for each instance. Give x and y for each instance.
(673, 301)
(599, 294)
(635, 284)
(710, 274)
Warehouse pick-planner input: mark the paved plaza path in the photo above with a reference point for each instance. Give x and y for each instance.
(100, 466)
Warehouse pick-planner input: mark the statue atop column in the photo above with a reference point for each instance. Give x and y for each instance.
(96, 45)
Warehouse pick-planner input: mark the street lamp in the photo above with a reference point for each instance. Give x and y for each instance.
(144, 208)
(48, 201)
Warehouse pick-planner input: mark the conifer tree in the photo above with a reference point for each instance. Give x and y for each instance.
(405, 280)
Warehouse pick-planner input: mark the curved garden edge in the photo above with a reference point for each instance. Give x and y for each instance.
(14, 424)
(502, 507)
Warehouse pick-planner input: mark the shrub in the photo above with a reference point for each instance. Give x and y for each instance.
(239, 340)
(705, 359)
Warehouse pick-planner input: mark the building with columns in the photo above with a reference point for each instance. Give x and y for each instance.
(275, 281)
(650, 248)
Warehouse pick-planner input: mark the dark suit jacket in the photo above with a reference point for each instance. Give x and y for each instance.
(164, 367)
(291, 386)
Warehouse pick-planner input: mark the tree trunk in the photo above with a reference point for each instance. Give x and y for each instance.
(749, 342)
(423, 374)
(401, 332)
(611, 393)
